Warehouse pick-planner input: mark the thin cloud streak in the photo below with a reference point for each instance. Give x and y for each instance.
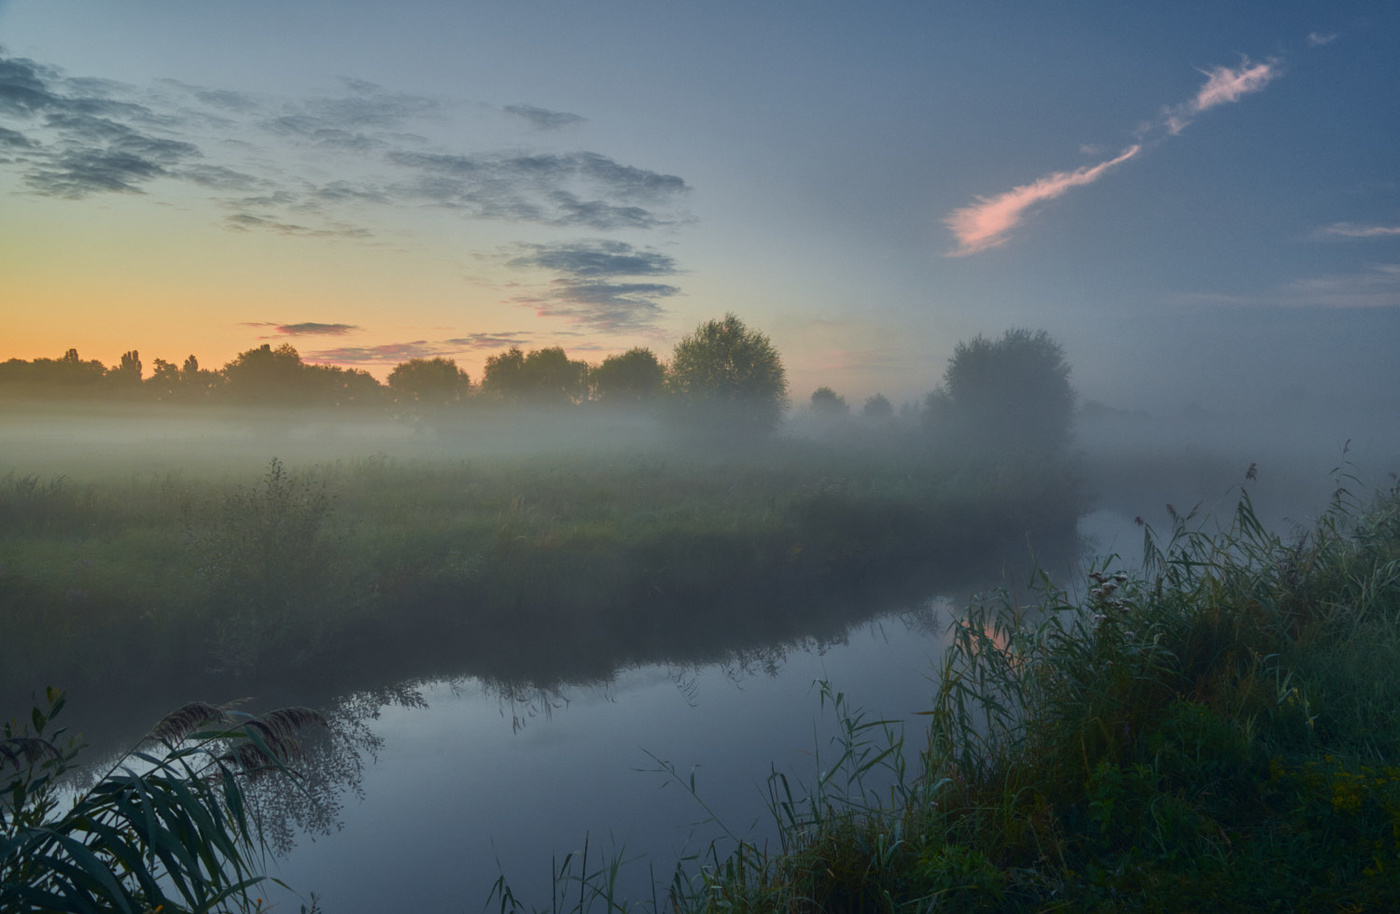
(313, 329)
(1352, 230)
(1375, 288)
(387, 354)
(988, 222)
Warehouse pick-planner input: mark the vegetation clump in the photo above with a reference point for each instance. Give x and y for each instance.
(1006, 395)
(1220, 732)
(171, 826)
(727, 378)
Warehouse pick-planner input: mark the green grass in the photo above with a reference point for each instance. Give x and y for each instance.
(546, 569)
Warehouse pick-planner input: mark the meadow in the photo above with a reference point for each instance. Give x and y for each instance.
(1217, 729)
(563, 566)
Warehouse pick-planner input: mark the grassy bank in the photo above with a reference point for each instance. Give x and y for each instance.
(543, 569)
(1218, 732)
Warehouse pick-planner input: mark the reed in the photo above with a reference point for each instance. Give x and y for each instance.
(1218, 731)
(166, 828)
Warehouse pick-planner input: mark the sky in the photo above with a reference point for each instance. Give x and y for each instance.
(1199, 201)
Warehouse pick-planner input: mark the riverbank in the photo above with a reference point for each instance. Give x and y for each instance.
(1219, 732)
(542, 569)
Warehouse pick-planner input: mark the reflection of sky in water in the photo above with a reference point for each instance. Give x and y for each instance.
(457, 787)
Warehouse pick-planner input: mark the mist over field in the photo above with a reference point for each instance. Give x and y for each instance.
(739, 457)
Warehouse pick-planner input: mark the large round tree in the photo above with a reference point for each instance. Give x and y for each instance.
(632, 377)
(429, 382)
(1010, 395)
(726, 377)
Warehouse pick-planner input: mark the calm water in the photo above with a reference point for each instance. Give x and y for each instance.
(475, 785)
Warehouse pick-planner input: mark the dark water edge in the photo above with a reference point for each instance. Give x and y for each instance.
(537, 652)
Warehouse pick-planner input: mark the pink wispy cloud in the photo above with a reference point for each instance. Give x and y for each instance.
(1223, 86)
(988, 222)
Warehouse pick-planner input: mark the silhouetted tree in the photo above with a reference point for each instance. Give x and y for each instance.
(543, 376)
(553, 378)
(127, 373)
(504, 374)
(267, 375)
(429, 382)
(332, 385)
(1009, 395)
(828, 403)
(66, 376)
(726, 377)
(198, 382)
(877, 407)
(166, 382)
(631, 377)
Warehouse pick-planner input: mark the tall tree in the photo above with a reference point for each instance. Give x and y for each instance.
(631, 377)
(1007, 395)
(877, 406)
(504, 374)
(543, 376)
(828, 403)
(267, 375)
(332, 385)
(725, 376)
(429, 382)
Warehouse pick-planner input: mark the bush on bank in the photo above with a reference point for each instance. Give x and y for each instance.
(1219, 732)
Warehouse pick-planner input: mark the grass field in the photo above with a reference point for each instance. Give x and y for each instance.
(549, 568)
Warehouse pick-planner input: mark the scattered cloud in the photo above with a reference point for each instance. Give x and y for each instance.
(989, 221)
(242, 222)
(501, 340)
(587, 289)
(603, 306)
(1375, 287)
(1378, 287)
(15, 139)
(1354, 230)
(1317, 39)
(221, 178)
(595, 257)
(310, 329)
(260, 155)
(570, 189)
(386, 354)
(543, 118)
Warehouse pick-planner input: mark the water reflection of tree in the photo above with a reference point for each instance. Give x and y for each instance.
(525, 700)
(328, 767)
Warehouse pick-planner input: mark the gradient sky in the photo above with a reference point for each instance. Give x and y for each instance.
(1200, 201)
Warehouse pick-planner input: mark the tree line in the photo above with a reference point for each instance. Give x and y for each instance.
(723, 359)
(997, 394)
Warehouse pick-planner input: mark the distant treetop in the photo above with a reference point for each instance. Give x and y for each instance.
(726, 377)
